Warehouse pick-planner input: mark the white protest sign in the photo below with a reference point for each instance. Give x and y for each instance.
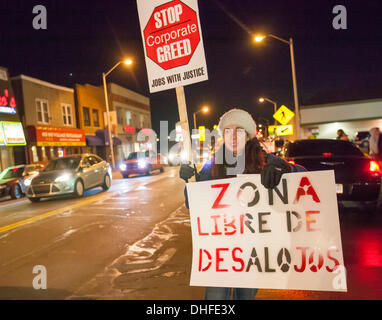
(172, 42)
(246, 236)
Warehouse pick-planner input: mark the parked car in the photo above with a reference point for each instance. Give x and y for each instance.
(141, 163)
(12, 179)
(358, 177)
(362, 141)
(69, 175)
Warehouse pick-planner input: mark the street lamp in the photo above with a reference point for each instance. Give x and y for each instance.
(260, 38)
(262, 99)
(204, 110)
(104, 75)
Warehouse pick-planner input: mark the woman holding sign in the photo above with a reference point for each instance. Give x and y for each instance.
(240, 153)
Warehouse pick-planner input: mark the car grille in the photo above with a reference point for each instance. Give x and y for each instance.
(41, 189)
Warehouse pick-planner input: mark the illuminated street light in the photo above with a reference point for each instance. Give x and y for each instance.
(205, 109)
(261, 100)
(104, 75)
(260, 38)
(128, 62)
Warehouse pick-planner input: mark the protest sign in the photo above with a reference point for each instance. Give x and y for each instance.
(246, 236)
(172, 42)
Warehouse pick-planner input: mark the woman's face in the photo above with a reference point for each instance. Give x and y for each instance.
(235, 138)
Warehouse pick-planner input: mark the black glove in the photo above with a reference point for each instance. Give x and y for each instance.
(186, 172)
(271, 174)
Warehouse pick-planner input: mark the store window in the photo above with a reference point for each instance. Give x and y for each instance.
(67, 114)
(86, 113)
(95, 118)
(34, 154)
(42, 109)
(119, 115)
(128, 117)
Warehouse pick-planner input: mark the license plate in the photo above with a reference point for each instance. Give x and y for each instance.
(339, 188)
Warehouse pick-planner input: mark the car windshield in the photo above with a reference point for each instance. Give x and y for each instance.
(323, 148)
(136, 155)
(63, 164)
(11, 173)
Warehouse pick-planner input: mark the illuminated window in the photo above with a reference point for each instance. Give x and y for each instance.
(86, 113)
(67, 114)
(141, 121)
(95, 118)
(42, 109)
(119, 115)
(128, 117)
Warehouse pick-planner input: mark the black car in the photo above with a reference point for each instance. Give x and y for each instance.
(358, 177)
(362, 141)
(12, 179)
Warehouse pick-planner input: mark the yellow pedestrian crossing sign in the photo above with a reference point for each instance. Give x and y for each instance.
(283, 115)
(284, 130)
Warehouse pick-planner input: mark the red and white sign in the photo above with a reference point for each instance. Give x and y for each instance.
(172, 42)
(51, 136)
(246, 236)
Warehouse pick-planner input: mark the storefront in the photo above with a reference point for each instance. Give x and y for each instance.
(12, 138)
(12, 142)
(323, 121)
(99, 144)
(47, 143)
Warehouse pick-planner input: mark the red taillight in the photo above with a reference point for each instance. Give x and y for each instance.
(327, 154)
(374, 168)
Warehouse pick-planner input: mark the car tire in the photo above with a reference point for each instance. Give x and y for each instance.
(106, 182)
(161, 169)
(34, 199)
(147, 173)
(125, 176)
(16, 192)
(79, 189)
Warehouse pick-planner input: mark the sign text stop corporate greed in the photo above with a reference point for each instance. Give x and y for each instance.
(283, 238)
(173, 44)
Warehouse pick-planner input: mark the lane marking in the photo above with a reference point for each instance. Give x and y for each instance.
(50, 213)
(63, 209)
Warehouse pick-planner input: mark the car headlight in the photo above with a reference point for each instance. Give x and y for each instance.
(122, 167)
(142, 164)
(63, 178)
(27, 182)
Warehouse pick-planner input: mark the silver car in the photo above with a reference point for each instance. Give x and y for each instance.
(69, 175)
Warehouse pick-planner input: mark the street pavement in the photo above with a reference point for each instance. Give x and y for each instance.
(134, 242)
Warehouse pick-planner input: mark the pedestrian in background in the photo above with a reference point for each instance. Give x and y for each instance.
(341, 135)
(232, 124)
(375, 144)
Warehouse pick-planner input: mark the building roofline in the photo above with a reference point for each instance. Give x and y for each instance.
(340, 103)
(41, 82)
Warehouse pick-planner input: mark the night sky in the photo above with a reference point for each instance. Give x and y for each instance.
(85, 38)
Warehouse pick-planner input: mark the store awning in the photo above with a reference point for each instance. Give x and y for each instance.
(116, 141)
(103, 135)
(94, 141)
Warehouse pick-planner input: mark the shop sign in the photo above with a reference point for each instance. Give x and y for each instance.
(12, 133)
(56, 137)
(7, 103)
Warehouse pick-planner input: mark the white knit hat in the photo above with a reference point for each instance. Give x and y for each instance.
(240, 118)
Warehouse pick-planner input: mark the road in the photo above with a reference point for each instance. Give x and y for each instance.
(134, 242)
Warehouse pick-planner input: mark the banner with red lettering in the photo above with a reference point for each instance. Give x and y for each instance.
(172, 42)
(246, 236)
